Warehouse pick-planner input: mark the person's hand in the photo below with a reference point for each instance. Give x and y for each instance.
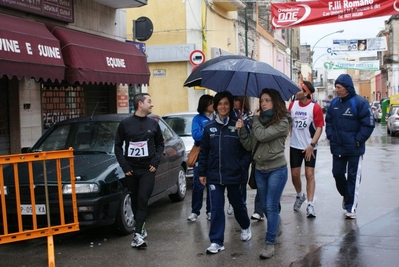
(257, 112)
(309, 152)
(239, 124)
(202, 180)
(129, 173)
(152, 169)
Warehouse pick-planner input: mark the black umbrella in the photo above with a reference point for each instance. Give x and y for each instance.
(194, 79)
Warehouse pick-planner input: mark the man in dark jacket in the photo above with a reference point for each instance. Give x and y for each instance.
(139, 145)
(349, 123)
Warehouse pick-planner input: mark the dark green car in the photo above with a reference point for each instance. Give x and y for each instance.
(102, 196)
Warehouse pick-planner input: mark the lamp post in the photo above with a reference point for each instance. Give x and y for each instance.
(314, 46)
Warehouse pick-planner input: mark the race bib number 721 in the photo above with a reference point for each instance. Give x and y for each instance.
(138, 149)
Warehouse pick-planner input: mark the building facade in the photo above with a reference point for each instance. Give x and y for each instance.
(61, 60)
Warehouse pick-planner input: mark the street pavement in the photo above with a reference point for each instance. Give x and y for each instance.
(372, 239)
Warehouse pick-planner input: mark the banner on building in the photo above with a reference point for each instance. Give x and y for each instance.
(296, 14)
(369, 44)
(352, 65)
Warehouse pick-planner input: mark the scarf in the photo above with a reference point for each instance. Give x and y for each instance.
(266, 116)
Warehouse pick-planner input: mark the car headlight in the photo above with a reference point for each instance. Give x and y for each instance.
(81, 188)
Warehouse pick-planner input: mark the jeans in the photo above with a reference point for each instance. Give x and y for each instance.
(198, 194)
(270, 189)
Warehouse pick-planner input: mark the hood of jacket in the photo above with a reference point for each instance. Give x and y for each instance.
(346, 81)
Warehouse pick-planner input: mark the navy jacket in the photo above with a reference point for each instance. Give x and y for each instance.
(222, 158)
(349, 121)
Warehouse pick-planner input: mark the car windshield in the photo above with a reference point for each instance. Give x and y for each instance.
(181, 124)
(84, 137)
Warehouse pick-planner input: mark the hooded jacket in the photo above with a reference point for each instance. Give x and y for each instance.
(222, 158)
(349, 121)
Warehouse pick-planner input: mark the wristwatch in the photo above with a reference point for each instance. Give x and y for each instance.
(313, 144)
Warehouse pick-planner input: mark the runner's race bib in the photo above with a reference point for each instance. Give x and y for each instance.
(138, 149)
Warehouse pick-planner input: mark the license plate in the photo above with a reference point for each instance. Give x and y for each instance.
(27, 209)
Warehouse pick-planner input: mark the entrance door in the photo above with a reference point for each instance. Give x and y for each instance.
(4, 125)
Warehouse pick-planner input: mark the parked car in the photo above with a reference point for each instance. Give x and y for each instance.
(393, 120)
(102, 195)
(181, 124)
(377, 112)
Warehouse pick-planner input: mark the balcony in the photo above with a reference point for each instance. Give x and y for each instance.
(122, 3)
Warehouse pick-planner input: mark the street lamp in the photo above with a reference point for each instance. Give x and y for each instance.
(312, 51)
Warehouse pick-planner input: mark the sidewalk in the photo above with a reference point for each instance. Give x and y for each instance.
(374, 244)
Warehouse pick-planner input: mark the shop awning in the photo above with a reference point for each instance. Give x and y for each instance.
(94, 59)
(27, 48)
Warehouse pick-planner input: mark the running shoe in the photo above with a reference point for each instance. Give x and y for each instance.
(214, 248)
(257, 217)
(298, 202)
(193, 217)
(138, 241)
(350, 215)
(310, 211)
(246, 234)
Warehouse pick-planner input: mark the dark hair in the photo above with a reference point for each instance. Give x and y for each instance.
(219, 96)
(140, 97)
(309, 85)
(279, 107)
(203, 103)
(244, 102)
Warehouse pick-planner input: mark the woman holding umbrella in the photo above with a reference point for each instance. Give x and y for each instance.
(270, 128)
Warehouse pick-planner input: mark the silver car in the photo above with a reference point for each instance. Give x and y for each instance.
(181, 123)
(393, 120)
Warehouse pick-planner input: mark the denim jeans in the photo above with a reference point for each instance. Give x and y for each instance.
(197, 196)
(270, 188)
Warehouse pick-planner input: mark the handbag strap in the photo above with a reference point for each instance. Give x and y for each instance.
(256, 148)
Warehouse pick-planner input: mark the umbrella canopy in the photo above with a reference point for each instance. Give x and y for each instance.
(194, 79)
(247, 77)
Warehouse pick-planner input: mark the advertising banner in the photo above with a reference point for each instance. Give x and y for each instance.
(369, 44)
(352, 65)
(295, 14)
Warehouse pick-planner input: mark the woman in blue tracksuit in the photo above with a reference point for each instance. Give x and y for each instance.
(204, 116)
(349, 123)
(222, 160)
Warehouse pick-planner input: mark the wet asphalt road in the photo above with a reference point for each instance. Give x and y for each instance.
(327, 240)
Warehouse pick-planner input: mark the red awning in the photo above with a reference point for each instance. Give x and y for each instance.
(95, 59)
(27, 48)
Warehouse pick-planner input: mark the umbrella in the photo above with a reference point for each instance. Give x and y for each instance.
(247, 77)
(194, 79)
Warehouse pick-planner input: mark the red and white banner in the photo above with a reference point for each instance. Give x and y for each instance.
(296, 14)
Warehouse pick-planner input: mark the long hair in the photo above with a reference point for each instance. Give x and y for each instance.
(279, 108)
(203, 103)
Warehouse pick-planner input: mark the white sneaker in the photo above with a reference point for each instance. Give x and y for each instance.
(257, 217)
(230, 210)
(138, 241)
(298, 202)
(208, 216)
(246, 234)
(144, 233)
(310, 211)
(193, 217)
(350, 215)
(214, 248)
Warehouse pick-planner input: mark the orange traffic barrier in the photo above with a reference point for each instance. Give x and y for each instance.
(20, 199)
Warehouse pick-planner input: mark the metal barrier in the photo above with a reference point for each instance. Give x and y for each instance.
(30, 209)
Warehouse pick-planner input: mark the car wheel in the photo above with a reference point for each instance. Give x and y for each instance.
(388, 131)
(392, 133)
(181, 187)
(125, 217)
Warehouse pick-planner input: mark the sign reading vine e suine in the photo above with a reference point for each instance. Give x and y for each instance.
(57, 9)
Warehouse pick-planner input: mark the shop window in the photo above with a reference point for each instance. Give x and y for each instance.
(133, 90)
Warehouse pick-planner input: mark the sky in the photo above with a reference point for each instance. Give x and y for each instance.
(356, 29)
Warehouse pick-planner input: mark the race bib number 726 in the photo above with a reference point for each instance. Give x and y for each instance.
(138, 149)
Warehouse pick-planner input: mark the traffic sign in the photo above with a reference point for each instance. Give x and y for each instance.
(197, 57)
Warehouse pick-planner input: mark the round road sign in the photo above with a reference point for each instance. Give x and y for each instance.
(197, 57)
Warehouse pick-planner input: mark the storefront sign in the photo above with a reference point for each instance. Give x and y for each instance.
(296, 14)
(56, 9)
(169, 53)
(352, 65)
